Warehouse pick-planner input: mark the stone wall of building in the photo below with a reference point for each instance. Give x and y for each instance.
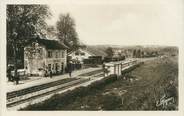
(43, 60)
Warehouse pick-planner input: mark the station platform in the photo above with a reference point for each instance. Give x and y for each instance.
(34, 81)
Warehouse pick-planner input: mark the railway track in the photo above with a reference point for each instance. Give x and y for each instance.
(28, 94)
(36, 88)
(41, 93)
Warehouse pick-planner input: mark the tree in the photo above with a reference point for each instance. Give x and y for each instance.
(138, 53)
(109, 51)
(135, 53)
(51, 32)
(142, 54)
(23, 23)
(66, 31)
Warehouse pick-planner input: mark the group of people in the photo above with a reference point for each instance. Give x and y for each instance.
(48, 73)
(12, 78)
(69, 69)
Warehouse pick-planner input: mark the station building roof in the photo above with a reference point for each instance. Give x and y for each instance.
(49, 44)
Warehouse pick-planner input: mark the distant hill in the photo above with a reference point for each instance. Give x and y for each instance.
(99, 50)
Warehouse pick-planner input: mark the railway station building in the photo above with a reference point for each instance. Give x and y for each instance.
(42, 55)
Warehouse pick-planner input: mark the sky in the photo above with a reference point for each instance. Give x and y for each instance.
(126, 23)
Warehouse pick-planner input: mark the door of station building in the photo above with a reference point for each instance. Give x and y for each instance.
(56, 67)
(49, 66)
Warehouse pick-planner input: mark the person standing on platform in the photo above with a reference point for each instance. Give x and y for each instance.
(50, 73)
(9, 74)
(17, 78)
(70, 68)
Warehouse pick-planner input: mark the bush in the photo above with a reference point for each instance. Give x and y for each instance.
(111, 102)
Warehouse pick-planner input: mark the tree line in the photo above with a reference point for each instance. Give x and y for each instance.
(135, 53)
